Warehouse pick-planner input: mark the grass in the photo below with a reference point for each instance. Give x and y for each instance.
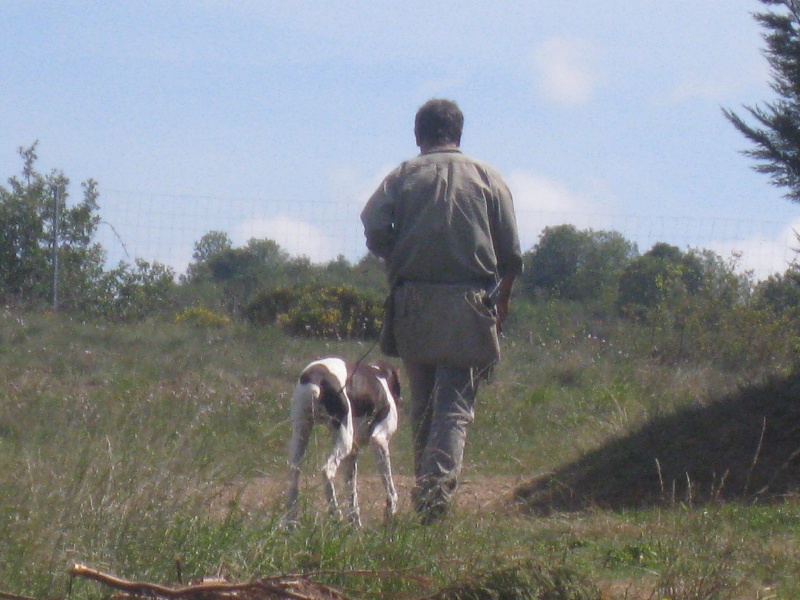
(638, 478)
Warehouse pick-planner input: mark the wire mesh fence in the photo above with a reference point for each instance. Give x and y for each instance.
(165, 228)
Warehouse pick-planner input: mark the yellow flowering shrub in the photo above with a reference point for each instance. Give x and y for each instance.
(330, 312)
(202, 317)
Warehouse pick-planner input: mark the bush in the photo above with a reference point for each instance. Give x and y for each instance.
(331, 312)
(202, 318)
(266, 305)
(131, 293)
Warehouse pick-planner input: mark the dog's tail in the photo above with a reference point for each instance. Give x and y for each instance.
(305, 396)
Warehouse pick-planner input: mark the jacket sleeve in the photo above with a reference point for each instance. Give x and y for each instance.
(505, 233)
(378, 220)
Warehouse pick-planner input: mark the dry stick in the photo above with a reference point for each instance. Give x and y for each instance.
(755, 457)
(660, 480)
(778, 471)
(717, 493)
(140, 587)
(689, 491)
(8, 596)
(406, 572)
(152, 589)
(179, 570)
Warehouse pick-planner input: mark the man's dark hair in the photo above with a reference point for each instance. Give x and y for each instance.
(439, 121)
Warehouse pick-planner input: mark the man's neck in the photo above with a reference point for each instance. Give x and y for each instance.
(428, 148)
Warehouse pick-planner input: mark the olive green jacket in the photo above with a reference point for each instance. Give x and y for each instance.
(443, 217)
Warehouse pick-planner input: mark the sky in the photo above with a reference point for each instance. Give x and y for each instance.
(277, 119)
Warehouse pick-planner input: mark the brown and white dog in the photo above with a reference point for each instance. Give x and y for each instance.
(358, 403)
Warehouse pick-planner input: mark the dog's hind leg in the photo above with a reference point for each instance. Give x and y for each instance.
(350, 467)
(342, 447)
(380, 448)
(301, 434)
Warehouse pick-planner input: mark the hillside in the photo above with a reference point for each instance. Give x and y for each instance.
(742, 447)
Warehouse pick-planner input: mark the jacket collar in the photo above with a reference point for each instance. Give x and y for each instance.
(445, 148)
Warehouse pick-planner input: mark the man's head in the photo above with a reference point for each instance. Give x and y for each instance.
(438, 122)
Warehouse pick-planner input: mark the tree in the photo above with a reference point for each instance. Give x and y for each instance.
(577, 265)
(131, 293)
(780, 293)
(28, 210)
(35, 212)
(211, 244)
(776, 134)
(238, 272)
(553, 262)
(690, 301)
(661, 273)
(369, 273)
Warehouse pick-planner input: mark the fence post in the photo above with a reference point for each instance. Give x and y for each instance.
(55, 248)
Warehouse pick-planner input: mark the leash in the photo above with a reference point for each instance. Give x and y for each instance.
(485, 373)
(359, 361)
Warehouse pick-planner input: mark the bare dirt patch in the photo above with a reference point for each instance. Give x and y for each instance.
(475, 495)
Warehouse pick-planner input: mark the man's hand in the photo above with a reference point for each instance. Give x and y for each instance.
(503, 298)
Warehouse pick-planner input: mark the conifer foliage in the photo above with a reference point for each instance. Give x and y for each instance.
(775, 134)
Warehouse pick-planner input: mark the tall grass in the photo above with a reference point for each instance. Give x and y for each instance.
(131, 447)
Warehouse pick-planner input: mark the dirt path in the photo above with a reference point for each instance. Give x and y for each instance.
(475, 494)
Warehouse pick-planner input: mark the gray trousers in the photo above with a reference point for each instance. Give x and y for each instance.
(442, 407)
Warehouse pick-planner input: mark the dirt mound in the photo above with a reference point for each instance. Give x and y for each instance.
(742, 447)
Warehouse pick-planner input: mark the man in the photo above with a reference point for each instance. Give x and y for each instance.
(445, 225)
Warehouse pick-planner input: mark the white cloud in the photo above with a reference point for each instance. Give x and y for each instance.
(705, 89)
(713, 88)
(297, 237)
(332, 229)
(437, 88)
(352, 188)
(721, 81)
(762, 255)
(566, 70)
(540, 202)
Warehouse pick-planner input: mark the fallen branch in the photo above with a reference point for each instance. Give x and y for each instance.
(7, 596)
(296, 588)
